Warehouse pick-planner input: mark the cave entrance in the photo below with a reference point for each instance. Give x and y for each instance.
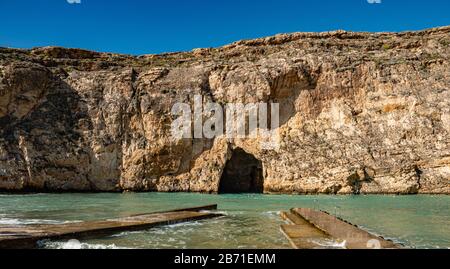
(243, 173)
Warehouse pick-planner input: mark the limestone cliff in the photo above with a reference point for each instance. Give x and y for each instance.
(360, 113)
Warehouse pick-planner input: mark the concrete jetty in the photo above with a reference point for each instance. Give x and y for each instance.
(26, 236)
(309, 229)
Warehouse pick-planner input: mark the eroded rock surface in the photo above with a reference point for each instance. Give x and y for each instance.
(360, 113)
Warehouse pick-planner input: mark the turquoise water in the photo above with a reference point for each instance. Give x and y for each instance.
(250, 221)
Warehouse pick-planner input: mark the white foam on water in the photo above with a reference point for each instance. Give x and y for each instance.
(272, 214)
(215, 212)
(184, 224)
(328, 243)
(75, 244)
(162, 230)
(122, 234)
(16, 221)
(277, 213)
(8, 221)
(373, 232)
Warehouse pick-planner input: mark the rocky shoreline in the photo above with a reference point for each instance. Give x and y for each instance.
(361, 113)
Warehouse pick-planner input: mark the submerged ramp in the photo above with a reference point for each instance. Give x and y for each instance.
(27, 236)
(302, 234)
(317, 229)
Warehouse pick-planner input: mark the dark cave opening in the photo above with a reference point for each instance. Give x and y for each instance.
(243, 173)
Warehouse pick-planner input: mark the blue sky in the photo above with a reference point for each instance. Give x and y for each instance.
(149, 26)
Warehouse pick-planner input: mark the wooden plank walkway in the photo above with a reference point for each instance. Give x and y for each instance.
(27, 236)
(317, 229)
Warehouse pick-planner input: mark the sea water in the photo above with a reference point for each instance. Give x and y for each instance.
(249, 221)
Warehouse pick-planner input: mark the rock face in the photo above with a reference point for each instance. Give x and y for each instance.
(360, 113)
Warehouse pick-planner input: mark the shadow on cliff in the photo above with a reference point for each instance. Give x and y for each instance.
(287, 87)
(45, 148)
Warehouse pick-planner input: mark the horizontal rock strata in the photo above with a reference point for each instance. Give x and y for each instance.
(360, 113)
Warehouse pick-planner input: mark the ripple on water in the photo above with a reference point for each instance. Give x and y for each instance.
(250, 221)
(75, 244)
(19, 222)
